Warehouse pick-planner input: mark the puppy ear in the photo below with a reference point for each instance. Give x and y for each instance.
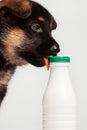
(53, 23)
(20, 8)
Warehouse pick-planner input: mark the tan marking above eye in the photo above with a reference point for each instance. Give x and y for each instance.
(41, 19)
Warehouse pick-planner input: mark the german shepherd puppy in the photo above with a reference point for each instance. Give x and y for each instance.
(25, 37)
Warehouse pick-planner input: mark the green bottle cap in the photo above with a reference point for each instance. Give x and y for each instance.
(60, 59)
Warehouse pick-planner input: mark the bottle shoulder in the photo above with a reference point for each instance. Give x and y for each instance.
(60, 91)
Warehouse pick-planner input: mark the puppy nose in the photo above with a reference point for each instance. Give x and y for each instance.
(55, 49)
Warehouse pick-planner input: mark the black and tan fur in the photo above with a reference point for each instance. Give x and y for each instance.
(25, 37)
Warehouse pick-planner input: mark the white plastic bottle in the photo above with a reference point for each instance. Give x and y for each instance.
(59, 100)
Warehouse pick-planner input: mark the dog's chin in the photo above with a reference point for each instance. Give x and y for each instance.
(38, 62)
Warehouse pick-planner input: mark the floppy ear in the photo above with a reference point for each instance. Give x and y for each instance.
(20, 8)
(53, 23)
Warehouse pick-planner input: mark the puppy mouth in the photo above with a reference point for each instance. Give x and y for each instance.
(44, 61)
(35, 59)
(41, 61)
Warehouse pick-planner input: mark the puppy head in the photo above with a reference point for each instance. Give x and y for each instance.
(26, 29)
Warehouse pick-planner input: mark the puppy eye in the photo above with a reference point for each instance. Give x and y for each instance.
(36, 28)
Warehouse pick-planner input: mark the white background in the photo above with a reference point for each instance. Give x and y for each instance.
(22, 107)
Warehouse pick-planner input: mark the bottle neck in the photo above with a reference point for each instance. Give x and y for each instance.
(59, 64)
(61, 69)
